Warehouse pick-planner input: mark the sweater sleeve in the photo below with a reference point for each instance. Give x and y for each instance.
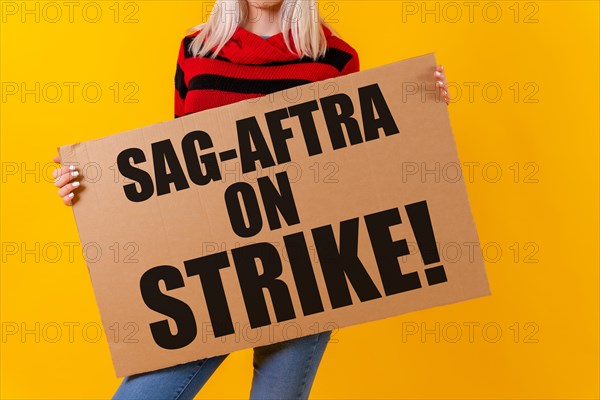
(181, 88)
(353, 65)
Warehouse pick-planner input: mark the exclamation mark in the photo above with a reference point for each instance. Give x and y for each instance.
(418, 215)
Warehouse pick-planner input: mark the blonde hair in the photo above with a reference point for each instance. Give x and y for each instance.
(300, 20)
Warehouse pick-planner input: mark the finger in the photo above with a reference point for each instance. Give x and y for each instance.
(68, 199)
(440, 76)
(439, 68)
(446, 97)
(66, 178)
(62, 170)
(68, 188)
(56, 159)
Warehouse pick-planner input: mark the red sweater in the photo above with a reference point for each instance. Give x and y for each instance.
(251, 66)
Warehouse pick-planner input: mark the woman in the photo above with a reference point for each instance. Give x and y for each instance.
(260, 48)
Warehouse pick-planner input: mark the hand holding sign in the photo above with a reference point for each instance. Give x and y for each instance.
(64, 179)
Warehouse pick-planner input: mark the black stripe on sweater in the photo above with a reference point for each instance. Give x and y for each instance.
(180, 83)
(334, 57)
(240, 85)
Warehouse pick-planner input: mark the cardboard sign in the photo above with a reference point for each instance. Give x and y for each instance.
(274, 218)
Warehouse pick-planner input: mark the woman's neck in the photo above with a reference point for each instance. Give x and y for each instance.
(263, 21)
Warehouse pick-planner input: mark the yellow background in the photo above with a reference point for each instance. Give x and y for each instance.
(544, 296)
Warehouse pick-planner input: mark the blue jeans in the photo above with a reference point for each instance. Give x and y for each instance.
(284, 370)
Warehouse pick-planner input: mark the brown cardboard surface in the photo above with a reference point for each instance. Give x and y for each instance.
(334, 185)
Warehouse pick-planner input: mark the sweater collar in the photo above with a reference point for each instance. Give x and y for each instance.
(246, 47)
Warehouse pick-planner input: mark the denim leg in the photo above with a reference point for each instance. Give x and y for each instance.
(286, 370)
(180, 382)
